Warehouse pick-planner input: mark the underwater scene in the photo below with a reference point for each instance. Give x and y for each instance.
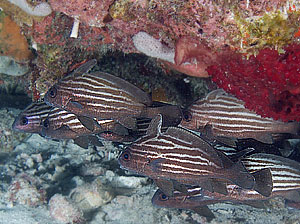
(149, 111)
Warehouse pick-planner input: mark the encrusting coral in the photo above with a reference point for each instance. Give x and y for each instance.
(12, 42)
(268, 83)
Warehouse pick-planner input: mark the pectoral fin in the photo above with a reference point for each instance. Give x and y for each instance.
(76, 104)
(156, 164)
(94, 140)
(82, 141)
(219, 186)
(87, 122)
(180, 187)
(128, 122)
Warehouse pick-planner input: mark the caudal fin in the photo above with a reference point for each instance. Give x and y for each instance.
(263, 182)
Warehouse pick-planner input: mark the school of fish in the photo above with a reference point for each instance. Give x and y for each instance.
(172, 146)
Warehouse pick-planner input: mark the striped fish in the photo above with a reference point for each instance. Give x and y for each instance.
(285, 176)
(285, 172)
(194, 197)
(195, 200)
(103, 96)
(55, 123)
(30, 120)
(226, 116)
(183, 157)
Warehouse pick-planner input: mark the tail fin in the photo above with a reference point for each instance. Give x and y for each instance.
(263, 182)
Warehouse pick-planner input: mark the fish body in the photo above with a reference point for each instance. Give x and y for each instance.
(181, 156)
(99, 95)
(285, 172)
(195, 197)
(285, 178)
(55, 123)
(60, 124)
(103, 96)
(226, 116)
(195, 200)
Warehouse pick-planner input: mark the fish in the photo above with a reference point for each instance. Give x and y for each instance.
(31, 118)
(223, 115)
(55, 123)
(195, 200)
(101, 95)
(60, 124)
(285, 172)
(178, 155)
(285, 179)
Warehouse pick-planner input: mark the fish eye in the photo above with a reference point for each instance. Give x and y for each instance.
(46, 123)
(187, 116)
(52, 92)
(163, 197)
(126, 156)
(24, 121)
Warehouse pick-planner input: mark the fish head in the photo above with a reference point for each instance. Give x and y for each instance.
(30, 120)
(55, 97)
(134, 161)
(161, 200)
(188, 121)
(27, 123)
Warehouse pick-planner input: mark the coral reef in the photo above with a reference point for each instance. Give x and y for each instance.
(268, 83)
(80, 30)
(249, 48)
(91, 196)
(148, 45)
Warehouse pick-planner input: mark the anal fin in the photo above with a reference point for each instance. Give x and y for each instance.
(82, 141)
(166, 186)
(204, 211)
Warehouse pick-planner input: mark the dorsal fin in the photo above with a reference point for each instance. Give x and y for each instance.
(84, 68)
(194, 139)
(196, 142)
(154, 128)
(122, 84)
(213, 94)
